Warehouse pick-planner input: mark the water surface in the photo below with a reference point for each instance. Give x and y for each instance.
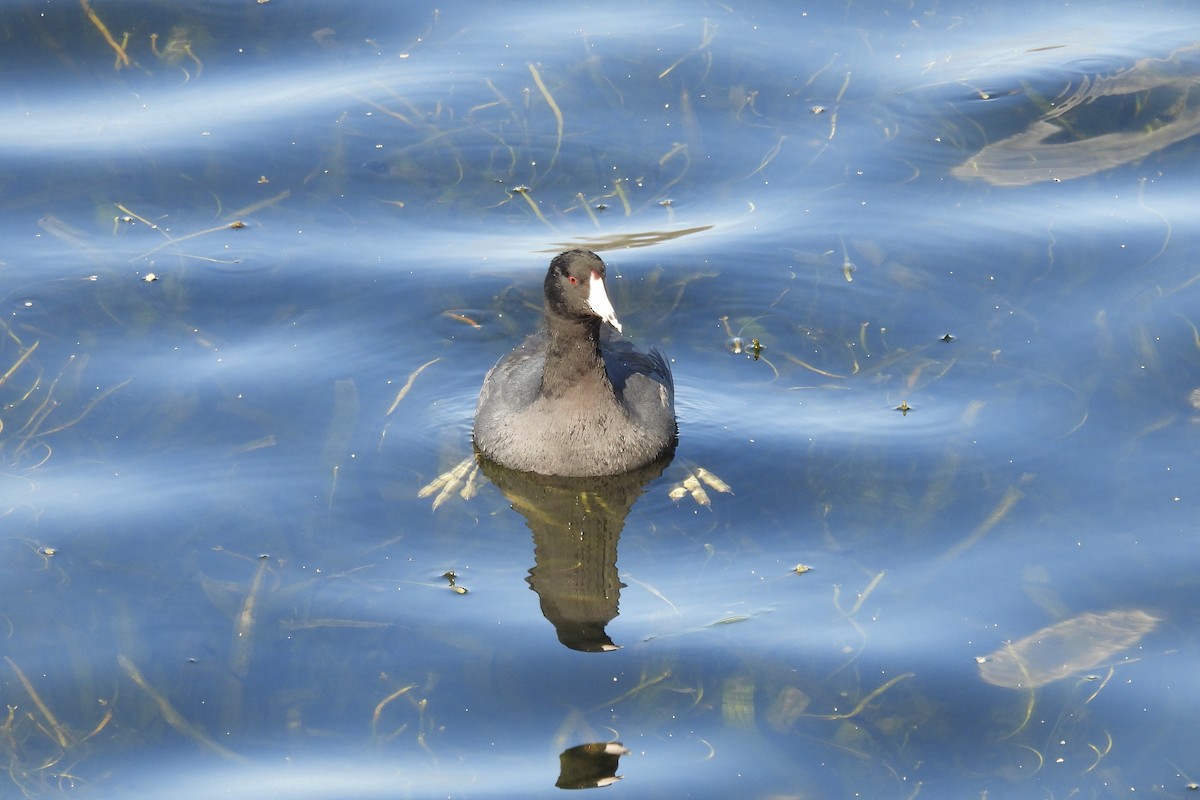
(923, 275)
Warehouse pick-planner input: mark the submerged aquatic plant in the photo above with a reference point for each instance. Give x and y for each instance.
(35, 406)
(1065, 648)
(1077, 135)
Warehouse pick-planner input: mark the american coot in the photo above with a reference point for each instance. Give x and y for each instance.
(575, 399)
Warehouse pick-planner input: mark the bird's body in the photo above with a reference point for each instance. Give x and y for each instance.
(575, 399)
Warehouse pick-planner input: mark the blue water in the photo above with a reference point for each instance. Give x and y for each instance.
(219, 575)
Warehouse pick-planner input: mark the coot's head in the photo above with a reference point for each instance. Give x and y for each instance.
(575, 288)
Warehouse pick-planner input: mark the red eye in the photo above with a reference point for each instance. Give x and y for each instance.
(572, 280)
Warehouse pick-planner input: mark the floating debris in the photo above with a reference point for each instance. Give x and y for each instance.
(739, 346)
(452, 578)
(463, 318)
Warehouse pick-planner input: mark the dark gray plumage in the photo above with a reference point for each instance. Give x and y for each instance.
(575, 399)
